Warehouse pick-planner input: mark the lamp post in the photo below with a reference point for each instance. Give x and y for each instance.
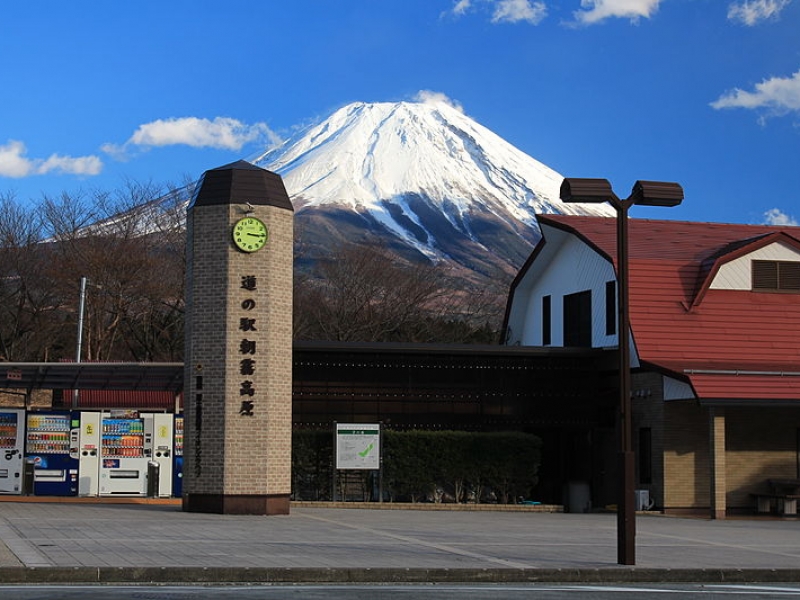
(81, 307)
(79, 344)
(645, 193)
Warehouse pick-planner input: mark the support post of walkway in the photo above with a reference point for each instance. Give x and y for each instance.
(716, 459)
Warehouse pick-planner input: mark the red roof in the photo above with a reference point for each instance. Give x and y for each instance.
(734, 386)
(746, 344)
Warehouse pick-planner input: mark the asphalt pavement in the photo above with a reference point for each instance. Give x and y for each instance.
(97, 542)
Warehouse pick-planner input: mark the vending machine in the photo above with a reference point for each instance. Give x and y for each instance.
(177, 465)
(51, 443)
(87, 452)
(12, 430)
(129, 442)
(161, 450)
(123, 465)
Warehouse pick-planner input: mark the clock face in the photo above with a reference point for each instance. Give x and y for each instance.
(250, 234)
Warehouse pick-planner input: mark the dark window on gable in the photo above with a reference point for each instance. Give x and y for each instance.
(611, 307)
(776, 276)
(578, 319)
(546, 321)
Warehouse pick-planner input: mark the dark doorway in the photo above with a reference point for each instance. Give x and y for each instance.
(578, 320)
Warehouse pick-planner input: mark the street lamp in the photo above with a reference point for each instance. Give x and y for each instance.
(79, 344)
(81, 307)
(645, 193)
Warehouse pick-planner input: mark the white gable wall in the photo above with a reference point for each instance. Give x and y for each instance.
(568, 266)
(738, 274)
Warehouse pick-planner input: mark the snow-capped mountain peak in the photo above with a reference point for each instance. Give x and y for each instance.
(422, 171)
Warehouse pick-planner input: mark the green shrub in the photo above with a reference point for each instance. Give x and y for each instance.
(423, 465)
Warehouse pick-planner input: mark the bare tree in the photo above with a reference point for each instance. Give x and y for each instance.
(154, 326)
(367, 294)
(127, 245)
(29, 323)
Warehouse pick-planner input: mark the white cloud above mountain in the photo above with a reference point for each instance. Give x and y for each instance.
(431, 97)
(15, 164)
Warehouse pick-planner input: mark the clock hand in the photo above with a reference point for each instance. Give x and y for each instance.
(255, 234)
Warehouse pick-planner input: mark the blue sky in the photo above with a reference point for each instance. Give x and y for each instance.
(702, 92)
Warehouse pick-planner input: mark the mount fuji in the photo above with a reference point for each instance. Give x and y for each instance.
(422, 180)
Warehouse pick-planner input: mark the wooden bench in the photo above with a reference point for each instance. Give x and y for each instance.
(785, 504)
(783, 492)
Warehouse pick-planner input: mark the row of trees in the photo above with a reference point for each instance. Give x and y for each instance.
(130, 245)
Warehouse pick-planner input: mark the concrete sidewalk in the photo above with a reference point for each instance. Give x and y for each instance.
(115, 542)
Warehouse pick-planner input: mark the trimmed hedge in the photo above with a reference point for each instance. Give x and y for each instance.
(438, 466)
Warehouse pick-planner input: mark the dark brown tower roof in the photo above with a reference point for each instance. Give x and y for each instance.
(241, 182)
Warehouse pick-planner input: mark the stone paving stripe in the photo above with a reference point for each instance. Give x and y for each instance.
(418, 542)
(26, 552)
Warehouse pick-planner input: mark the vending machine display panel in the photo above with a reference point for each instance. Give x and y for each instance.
(123, 465)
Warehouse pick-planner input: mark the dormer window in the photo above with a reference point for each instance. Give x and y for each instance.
(776, 276)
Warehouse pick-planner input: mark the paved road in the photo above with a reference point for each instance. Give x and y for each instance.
(87, 542)
(406, 592)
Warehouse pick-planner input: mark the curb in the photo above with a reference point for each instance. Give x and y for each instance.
(431, 506)
(212, 575)
(177, 502)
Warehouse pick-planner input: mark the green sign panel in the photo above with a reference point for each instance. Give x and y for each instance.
(358, 446)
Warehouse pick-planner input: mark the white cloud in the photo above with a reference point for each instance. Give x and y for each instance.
(514, 11)
(430, 97)
(14, 163)
(79, 165)
(775, 216)
(598, 10)
(221, 133)
(504, 11)
(461, 7)
(777, 96)
(751, 12)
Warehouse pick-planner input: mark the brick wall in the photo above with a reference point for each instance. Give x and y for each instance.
(762, 443)
(717, 459)
(686, 456)
(243, 444)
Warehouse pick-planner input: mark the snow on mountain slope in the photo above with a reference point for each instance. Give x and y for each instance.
(423, 172)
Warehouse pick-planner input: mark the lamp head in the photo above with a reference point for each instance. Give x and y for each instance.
(656, 193)
(586, 190)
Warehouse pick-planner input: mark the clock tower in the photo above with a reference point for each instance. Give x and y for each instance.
(238, 352)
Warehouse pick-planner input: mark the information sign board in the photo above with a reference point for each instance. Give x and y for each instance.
(358, 446)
